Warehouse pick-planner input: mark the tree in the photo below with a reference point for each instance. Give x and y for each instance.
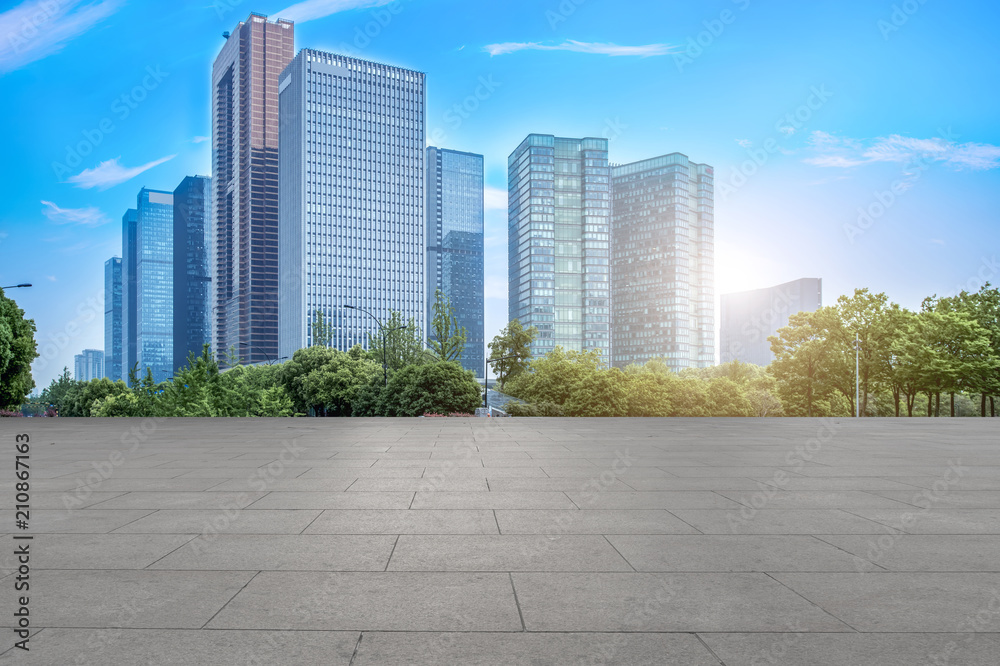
(404, 344)
(447, 340)
(82, 397)
(326, 381)
(55, 393)
(513, 341)
(431, 388)
(322, 332)
(17, 352)
(802, 360)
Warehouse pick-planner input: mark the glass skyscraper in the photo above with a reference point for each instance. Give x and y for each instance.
(352, 182)
(130, 317)
(155, 283)
(89, 365)
(663, 276)
(192, 272)
(245, 187)
(558, 242)
(113, 319)
(455, 244)
(750, 317)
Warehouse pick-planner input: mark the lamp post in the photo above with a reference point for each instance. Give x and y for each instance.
(385, 341)
(17, 286)
(486, 380)
(266, 355)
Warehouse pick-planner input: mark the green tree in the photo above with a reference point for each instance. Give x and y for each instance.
(55, 393)
(514, 341)
(326, 381)
(322, 331)
(802, 359)
(447, 339)
(404, 344)
(431, 388)
(17, 352)
(82, 398)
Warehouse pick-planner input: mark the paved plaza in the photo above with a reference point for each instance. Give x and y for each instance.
(507, 541)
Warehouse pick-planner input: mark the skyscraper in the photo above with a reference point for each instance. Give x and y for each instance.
(558, 242)
(352, 197)
(750, 317)
(113, 319)
(245, 187)
(155, 283)
(663, 275)
(130, 316)
(89, 365)
(192, 272)
(455, 244)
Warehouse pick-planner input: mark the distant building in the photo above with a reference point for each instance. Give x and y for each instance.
(558, 242)
(455, 244)
(750, 317)
(89, 365)
(192, 270)
(352, 208)
(113, 319)
(663, 262)
(245, 126)
(130, 316)
(155, 283)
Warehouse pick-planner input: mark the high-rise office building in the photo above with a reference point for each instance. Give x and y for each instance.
(88, 365)
(455, 244)
(245, 187)
(750, 317)
(558, 242)
(155, 283)
(192, 272)
(113, 319)
(352, 197)
(130, 318)
(663, 262)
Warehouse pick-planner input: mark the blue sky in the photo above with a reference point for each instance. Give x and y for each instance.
(853, 140)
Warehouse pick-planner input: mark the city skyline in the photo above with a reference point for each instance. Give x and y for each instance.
(822, 171)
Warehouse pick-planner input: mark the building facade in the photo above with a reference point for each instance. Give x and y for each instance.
(113, 348)
(455, 259)
(245, 125)
(130, 294)
(558, 242)
(352, 207)
(192, 272)
(155, 283)
(89, 365)
(663, 259)
(750, 317)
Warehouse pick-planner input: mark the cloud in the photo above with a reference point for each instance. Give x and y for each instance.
(51, 278)
(583, 47)
(38, 28)
(87, 217)
(496, 198)
(110, 173)
(841, 152)
(200, 139)
(744, 143)
(309, 10)
(938, 241)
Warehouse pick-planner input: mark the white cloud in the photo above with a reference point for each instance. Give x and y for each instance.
(51, 278)
(309, 10)
(841, 152)
(938, 241)
(645, 51)
(87, 217)
(38, 28)
(744, 143)
(200, 139)
(110, 173)
(496, 198)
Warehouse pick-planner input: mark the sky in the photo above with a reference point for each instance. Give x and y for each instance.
(853, 140)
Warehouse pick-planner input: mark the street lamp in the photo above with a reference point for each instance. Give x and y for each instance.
(857, 375)
(16, 286)
(266, 355)
(486, 380)
(385, 342)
